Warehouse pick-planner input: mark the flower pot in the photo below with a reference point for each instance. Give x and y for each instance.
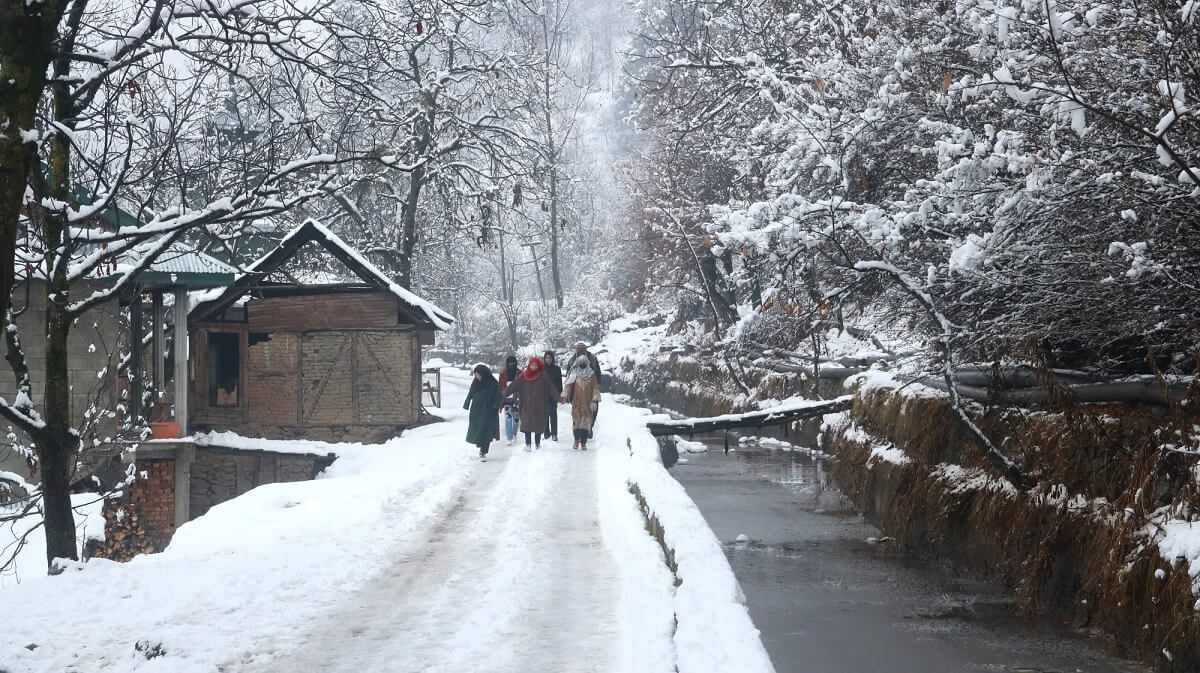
(165, 430)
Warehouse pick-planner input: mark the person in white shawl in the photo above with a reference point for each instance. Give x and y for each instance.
(582, 390)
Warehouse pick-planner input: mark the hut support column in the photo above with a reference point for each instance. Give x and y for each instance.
(181, 360)
(159, 348)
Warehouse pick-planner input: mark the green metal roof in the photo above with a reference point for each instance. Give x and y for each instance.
(180, 266)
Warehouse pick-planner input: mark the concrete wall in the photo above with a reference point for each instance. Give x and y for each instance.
(94, 342)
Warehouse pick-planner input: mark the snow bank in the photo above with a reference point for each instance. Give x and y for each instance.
(31, 561)
(636, 345)
(1179, 543)
(646, 608)
(714, 630)
(235, 584)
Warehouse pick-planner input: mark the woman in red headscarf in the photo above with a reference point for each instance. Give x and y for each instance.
(536, 391)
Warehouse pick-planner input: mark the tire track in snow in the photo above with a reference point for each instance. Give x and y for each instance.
(513, 576)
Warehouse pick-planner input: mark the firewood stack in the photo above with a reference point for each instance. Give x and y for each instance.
(125, 533)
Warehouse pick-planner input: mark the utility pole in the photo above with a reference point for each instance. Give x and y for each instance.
(537, 269)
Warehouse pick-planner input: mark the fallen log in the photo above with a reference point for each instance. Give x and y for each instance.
(753, 419)
(1150, 392)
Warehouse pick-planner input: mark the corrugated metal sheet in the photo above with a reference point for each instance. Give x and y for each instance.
(180, 259)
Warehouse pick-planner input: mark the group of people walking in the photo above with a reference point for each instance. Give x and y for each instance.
(528, 400)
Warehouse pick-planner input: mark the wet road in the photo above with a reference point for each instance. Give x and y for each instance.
(829, 601)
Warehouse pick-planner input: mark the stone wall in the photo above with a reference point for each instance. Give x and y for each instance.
(683, 383)
(145, 519)
(1074, 545)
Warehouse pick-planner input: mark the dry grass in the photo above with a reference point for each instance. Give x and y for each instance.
(655, 528)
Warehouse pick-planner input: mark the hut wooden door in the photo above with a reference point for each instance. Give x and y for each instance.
(384, 378)
(357, 377)
(326, 373)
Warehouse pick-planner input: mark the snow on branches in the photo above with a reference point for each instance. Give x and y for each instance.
(1032, 163)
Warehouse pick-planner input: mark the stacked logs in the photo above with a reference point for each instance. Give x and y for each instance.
(125, 533)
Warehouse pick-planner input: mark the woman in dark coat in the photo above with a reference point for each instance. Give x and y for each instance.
(535, 391)
(556, 377)
(483, 400)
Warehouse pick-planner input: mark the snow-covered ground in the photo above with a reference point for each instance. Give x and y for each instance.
(412, 556)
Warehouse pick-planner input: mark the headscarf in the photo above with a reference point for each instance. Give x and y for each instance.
(549, 357)
(510, 368)
(534, 369)
(485, 377)
(581, 370)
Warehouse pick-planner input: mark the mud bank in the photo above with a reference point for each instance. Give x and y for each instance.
(1079, 546)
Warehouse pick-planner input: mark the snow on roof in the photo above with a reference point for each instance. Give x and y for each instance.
(313, 231)
(437, 316)
(178, 258)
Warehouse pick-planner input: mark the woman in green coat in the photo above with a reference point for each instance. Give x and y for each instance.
(483, 424)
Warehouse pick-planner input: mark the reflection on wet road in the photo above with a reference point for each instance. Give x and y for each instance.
(830, 597)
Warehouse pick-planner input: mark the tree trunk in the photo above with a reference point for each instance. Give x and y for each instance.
(552, 160)
(724, 314)
(27, 31)
(59, 444)
(507, 301)
(408, 228)
(58, 448)
(555, 276)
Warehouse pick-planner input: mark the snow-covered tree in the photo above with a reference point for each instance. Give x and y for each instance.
(194, 119)
(1022, 172)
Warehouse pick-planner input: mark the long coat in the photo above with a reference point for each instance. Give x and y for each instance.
(556, 377)
(536, 396)
(582, 393)
(483, 425)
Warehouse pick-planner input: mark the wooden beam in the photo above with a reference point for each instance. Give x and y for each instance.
(754, 419)
(159, 347)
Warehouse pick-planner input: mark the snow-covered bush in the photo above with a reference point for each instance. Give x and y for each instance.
(582, 318)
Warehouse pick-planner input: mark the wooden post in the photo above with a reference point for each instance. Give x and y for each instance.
(181, 360)
(136, 408)
(159, 347)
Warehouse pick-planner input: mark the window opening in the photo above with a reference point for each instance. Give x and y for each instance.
(224, 368)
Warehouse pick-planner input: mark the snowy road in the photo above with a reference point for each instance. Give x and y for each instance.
(410, 556)
(512, 576)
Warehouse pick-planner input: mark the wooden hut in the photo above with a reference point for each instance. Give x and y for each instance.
(275, 357)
